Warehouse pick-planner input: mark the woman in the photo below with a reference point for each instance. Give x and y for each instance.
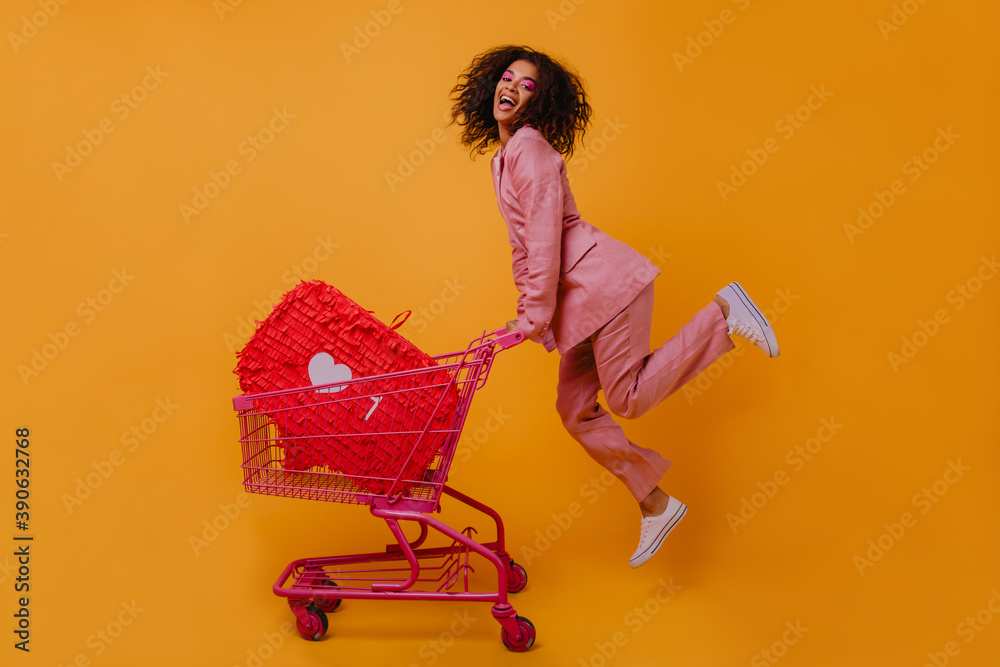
(583, 292)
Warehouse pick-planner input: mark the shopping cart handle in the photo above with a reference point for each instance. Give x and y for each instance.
(506, 340)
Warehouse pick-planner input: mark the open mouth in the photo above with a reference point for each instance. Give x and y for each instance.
(505, 103)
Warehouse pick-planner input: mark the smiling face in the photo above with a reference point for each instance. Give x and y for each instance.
(515, 88)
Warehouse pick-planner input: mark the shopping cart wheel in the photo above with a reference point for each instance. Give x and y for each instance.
(317, 619)
(527, 636)
(518, 578)
(327, 605)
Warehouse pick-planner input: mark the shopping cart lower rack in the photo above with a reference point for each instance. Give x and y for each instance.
(332, 424)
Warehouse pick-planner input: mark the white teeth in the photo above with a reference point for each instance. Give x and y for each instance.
(504, 98)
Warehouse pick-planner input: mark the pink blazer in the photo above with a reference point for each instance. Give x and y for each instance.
(573, 277)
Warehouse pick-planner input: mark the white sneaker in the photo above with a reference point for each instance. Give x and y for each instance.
(655, 529)
(745, 319)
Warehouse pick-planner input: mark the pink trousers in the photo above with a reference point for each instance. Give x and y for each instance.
(617, 360)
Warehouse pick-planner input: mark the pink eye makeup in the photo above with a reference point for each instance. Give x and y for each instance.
(528, 84)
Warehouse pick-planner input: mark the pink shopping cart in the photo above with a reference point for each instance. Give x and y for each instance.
(406, 569)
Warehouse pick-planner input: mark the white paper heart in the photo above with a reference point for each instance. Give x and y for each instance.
(323, 369)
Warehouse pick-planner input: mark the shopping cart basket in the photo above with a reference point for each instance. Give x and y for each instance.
(315, 586)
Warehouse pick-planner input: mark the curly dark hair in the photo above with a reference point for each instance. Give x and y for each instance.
(559, 108)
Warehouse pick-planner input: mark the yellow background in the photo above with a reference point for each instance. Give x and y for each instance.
(665, 133)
